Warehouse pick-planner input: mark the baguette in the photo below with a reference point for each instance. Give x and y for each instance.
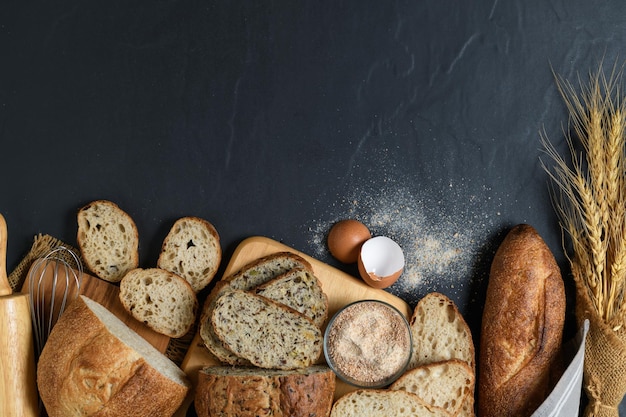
(522, 326)
(94, 365)
(384, 403)
(163, 301)
(107, 239)
(192, 250)
(227, 391)
(300, 290)
(266, 333)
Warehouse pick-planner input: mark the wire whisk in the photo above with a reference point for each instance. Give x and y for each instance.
(53, 282)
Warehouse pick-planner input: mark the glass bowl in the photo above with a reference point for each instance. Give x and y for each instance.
(368, 344)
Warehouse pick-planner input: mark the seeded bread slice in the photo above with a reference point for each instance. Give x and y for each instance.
(384, 403)
(207, 334)
(192, 250)
(300, 290)
(107, 239)
(267, 333)
(440, 332)
(163, 301)
(254, 273)
(262, 270)
(253, 392)
(441, 384)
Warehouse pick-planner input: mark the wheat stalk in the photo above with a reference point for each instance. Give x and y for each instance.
(589, 192)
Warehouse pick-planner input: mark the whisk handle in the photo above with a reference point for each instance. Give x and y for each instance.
(5, 288)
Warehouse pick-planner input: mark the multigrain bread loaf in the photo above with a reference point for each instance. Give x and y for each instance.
(107, 239)
(94, 365)
(192, 250)
(384, 403)
(162, 300)
(266, 333)
(522, 326)
(443, 384)
(226, 391)
(300, 290)
(251, 275)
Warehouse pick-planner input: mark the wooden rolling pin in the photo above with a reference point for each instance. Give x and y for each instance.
(18, 389)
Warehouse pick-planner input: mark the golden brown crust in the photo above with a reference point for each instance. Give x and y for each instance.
(522, 326)
(256, 392)
(84, 370)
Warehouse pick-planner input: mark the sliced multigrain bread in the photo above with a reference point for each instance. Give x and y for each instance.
(192, 250)
(384, 403)
(162, 300)
(440, 332)
(252, 274)
(253, 392)
(441, 384)
(207, 333)
(107, 239)
(300, 290)
(265, 269)
(266, 333)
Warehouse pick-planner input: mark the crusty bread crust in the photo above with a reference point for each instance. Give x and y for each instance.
(251, 392)
(522, 326)
(86, 370)
(383, 402)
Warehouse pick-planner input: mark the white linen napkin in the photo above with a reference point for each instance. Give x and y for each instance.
(564, 400)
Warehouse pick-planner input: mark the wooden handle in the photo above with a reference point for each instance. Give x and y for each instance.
(18, 389)
(5, 288)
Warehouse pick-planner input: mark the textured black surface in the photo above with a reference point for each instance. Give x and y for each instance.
(420, 118)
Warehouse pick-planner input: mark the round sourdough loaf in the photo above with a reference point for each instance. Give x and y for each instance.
(228, 391)
(94, 365)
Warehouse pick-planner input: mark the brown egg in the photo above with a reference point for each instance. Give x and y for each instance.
(346, 238)
(380, 262)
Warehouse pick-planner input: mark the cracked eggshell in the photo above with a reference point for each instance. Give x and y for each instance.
(381, 262)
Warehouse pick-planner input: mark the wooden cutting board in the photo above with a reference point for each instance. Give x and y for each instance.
(101, 291)
(341, 289)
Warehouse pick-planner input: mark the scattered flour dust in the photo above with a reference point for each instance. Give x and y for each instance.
(442, 240)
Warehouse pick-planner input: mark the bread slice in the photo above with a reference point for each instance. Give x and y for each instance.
(107, 239)
(300, 290)
(163, 301)
(268, 334)
(93, 363)
(384, 403)
(207, 333)
(252, 392)
(441, 384)
(440, 332)
(254, 273)
(265, 269)
(192, 250)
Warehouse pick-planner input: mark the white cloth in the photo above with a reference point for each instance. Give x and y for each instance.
(564, 400)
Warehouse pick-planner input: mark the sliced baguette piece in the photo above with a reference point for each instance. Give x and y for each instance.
(265, 269)
(250, 392)
(266, 333)
(300, 290)
(192, 250)
(443, 384)
(107, 239)
(440, 332)
(384, 403)
(162, 300)
(93, 364)
(252, 274)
